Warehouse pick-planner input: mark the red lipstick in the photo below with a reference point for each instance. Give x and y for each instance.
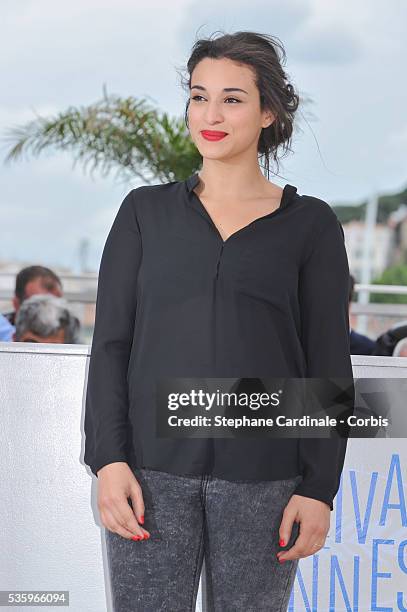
(213, 135)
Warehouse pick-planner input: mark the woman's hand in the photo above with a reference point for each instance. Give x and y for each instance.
(116, 483)
(314, 518)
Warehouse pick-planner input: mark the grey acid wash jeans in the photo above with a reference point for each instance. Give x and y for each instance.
(234, 524)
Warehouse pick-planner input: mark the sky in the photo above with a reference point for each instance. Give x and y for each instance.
(348, 58)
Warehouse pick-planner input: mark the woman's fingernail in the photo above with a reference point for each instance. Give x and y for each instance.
(281, 542)
(281, 560)
(142, 519)
(137, 537)
(146, 536)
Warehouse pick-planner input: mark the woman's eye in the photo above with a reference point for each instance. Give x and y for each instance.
(195, 98)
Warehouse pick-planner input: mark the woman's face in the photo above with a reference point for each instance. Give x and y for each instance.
(235, 112)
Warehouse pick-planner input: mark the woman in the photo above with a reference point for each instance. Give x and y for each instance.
(222, 275)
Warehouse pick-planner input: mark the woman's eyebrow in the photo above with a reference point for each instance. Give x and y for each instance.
(224, 89)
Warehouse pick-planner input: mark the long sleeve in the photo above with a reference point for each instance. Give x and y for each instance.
(324, 304)
(106, 410)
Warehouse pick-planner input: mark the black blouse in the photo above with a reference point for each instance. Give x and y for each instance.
(176, 300)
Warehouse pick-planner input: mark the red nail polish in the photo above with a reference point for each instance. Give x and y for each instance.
(281, 560)
(135, 537)
(142, 519)
(281, 542)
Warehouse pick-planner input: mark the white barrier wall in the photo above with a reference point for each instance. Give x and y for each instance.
(51, 536)
(363, 566)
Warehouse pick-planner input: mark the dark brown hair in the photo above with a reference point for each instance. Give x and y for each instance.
(50, 280)
(265, 54)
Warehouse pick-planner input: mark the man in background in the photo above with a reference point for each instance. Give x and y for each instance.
(32, 280)
(46, 318)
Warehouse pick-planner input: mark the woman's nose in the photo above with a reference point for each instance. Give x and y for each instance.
(213, 113)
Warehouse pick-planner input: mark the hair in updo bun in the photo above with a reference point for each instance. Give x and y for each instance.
(265, 54)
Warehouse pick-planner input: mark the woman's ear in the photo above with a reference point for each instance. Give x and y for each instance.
(268, 119)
